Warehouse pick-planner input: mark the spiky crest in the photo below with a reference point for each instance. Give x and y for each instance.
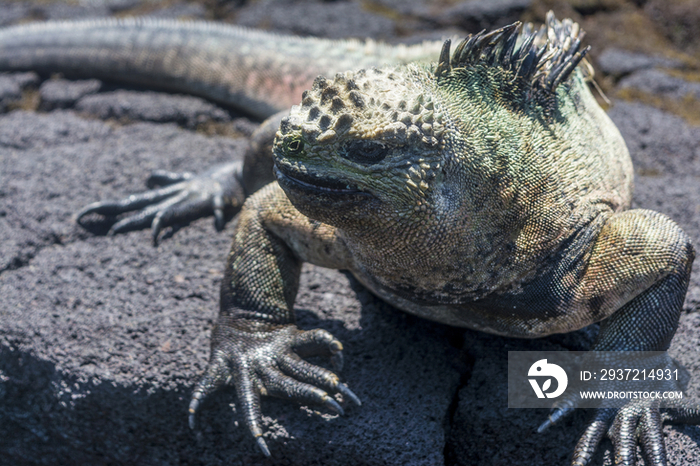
(543, 58)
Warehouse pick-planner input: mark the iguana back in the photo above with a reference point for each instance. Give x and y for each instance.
(253, 71)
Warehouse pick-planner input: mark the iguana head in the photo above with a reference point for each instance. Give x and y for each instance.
(366, 143)
(392, 146)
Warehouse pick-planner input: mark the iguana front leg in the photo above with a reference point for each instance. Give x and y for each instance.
(640, 265)
(181, 197)
(255, 343)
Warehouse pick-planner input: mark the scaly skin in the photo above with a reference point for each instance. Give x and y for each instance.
(254, 71)
(487, 191)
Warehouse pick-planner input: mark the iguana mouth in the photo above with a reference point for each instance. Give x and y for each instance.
(313, 183)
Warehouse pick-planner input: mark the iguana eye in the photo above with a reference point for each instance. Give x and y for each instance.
(295, 146)
(367, 152)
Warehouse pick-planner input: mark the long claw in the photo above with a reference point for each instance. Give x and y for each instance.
(215, 376)
(559, 412)
(347, 393)
(554, 417)
(156, 226)
(194, 406)
(218, 205)
(263, 446)
(544, 426)
(333, 405)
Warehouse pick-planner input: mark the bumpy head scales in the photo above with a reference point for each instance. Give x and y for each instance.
(368, 103)
(544, 58)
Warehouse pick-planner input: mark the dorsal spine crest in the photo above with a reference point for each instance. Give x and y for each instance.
(542, 58)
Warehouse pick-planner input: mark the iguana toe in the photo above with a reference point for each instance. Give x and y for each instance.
(596, 428)
(636, 423)
(181, 197)
(266, 360)
(160, 178)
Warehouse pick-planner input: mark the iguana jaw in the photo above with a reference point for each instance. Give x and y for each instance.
(311, 183)
(324, 198)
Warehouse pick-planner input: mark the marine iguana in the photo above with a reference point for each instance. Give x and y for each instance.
(487, 191)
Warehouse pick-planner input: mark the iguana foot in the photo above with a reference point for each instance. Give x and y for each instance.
(266, 360)
(180, 198)
(638, 422)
